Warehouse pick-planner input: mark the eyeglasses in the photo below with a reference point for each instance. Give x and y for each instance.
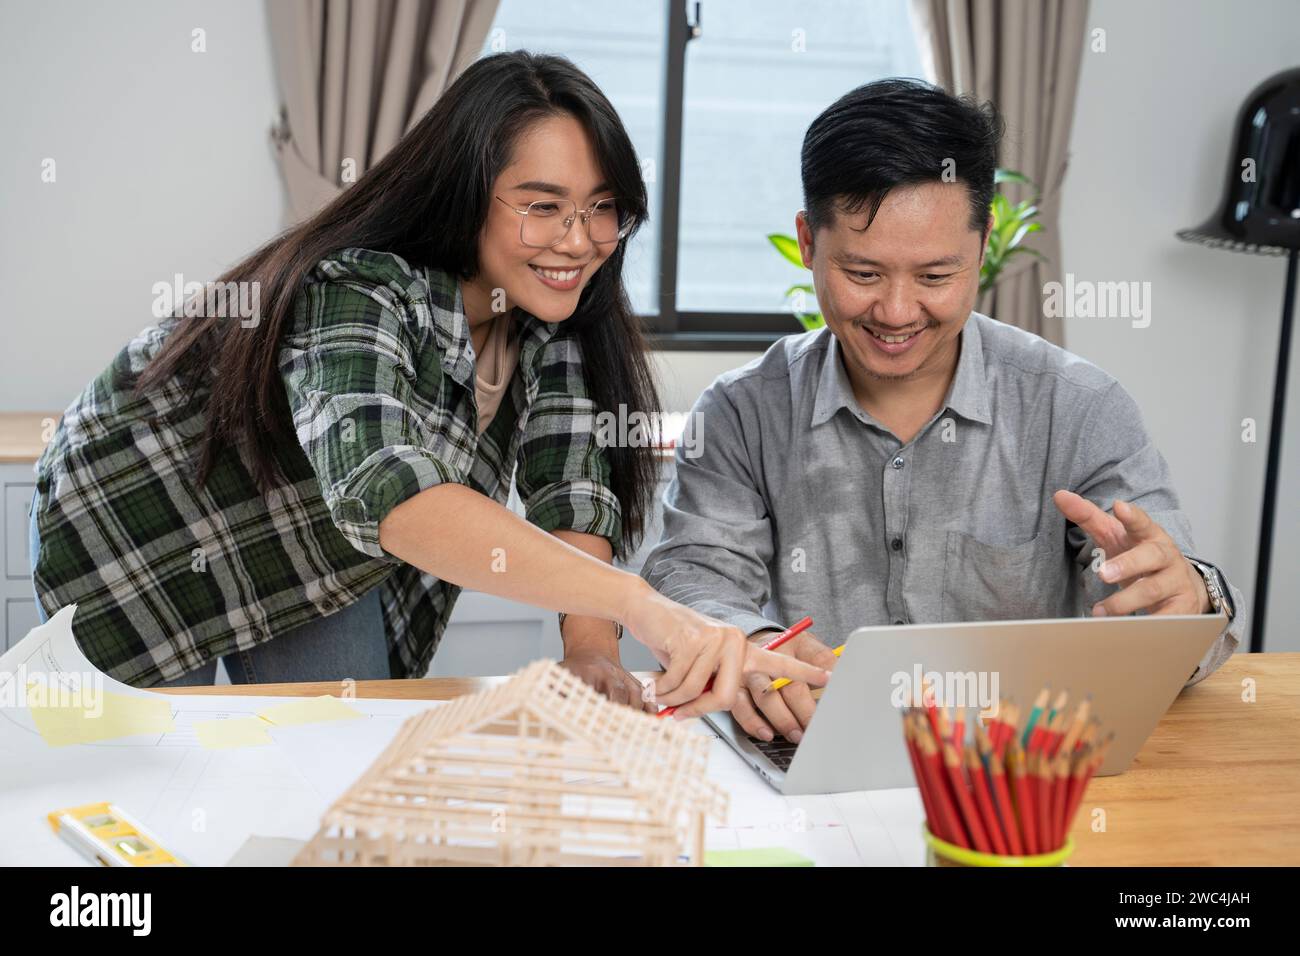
(547, 221)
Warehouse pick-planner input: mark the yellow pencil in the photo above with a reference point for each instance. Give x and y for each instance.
(782, 681)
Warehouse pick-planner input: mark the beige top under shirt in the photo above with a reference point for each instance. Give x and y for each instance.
(494, 367)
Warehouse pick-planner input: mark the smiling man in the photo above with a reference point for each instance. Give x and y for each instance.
(916, 461)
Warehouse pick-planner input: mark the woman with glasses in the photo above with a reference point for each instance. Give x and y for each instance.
(302, 492)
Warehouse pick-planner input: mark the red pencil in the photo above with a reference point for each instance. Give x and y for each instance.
(1086, 738)
(942, 726)
(1060, 783)
(969, 815)
(788, 634)
(983, 741)
(1009, 724)
(984, 801)
(1036, 739)
(1074, 791)
(999, 796)
(926, 706)
(1054, 735)
(1090, 764)
(992, 727)
(951, 824)
(1041, 772)
(931, 815)
(1075, 731)
(1020, 781)
(1003, 795)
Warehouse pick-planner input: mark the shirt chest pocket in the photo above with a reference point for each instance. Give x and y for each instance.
(986, 582)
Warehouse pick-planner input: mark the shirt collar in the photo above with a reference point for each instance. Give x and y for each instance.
(833, 389)
(451, 329)
(968, 395)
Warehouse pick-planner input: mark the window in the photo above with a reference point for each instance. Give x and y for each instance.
(717, 115)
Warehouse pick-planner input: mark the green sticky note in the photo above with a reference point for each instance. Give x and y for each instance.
(764, 856)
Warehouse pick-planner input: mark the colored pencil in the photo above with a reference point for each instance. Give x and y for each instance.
(783, 681)
(949, 823)
(909, 734)
(1060, 782)
(998, 776)
(1042, 800)
(1076, 727)
(1088, 735)
(1009, 725)
(1059, 705)
(942, 723)
(1012, 790)
(1024, 797)
(1091, 767)
(1039, 703)
(984, 801)
(965, 803)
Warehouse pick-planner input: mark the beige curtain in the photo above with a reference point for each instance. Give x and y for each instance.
(1024, 55)
(355, 75)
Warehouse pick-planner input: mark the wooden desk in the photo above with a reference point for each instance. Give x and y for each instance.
(1217, 784)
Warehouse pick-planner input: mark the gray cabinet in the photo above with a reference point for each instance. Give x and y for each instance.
(17, 483)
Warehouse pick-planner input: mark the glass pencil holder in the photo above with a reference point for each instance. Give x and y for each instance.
(942, 853)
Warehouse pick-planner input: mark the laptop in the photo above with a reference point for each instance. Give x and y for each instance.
(1134, 667)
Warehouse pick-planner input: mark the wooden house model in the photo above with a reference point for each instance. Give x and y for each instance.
(539, 771)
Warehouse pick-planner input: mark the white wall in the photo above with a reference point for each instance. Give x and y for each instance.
(1149, 156)
(164, 166)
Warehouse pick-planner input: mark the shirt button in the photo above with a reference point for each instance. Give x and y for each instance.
(897, 463)
(897, 544)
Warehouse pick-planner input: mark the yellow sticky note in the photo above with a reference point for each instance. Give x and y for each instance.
(97, 716)
(310, 710)
(765, 856)
(231, 733)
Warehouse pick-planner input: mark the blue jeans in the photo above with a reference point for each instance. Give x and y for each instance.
(348, 643)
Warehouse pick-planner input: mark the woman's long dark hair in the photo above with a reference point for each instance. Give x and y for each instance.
(427, 201)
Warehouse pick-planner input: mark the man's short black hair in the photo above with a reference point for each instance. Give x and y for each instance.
(898, 132)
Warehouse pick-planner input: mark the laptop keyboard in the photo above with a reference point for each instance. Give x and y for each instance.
(780, 751)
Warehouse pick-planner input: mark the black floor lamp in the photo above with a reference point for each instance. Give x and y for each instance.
(1260, 213)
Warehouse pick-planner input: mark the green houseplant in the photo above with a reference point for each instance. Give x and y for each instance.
(1012, 222)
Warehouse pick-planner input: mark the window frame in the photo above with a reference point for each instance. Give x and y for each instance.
(673, 329)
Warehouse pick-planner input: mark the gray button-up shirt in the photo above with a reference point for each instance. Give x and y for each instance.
(799, 502)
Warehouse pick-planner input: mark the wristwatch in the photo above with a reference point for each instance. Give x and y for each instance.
(618, 628)
(1214, 587)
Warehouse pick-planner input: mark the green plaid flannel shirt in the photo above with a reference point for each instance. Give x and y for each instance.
(379, 373)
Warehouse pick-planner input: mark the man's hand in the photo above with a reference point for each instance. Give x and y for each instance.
(1140, 557)
(790, 709)
(596, 661)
